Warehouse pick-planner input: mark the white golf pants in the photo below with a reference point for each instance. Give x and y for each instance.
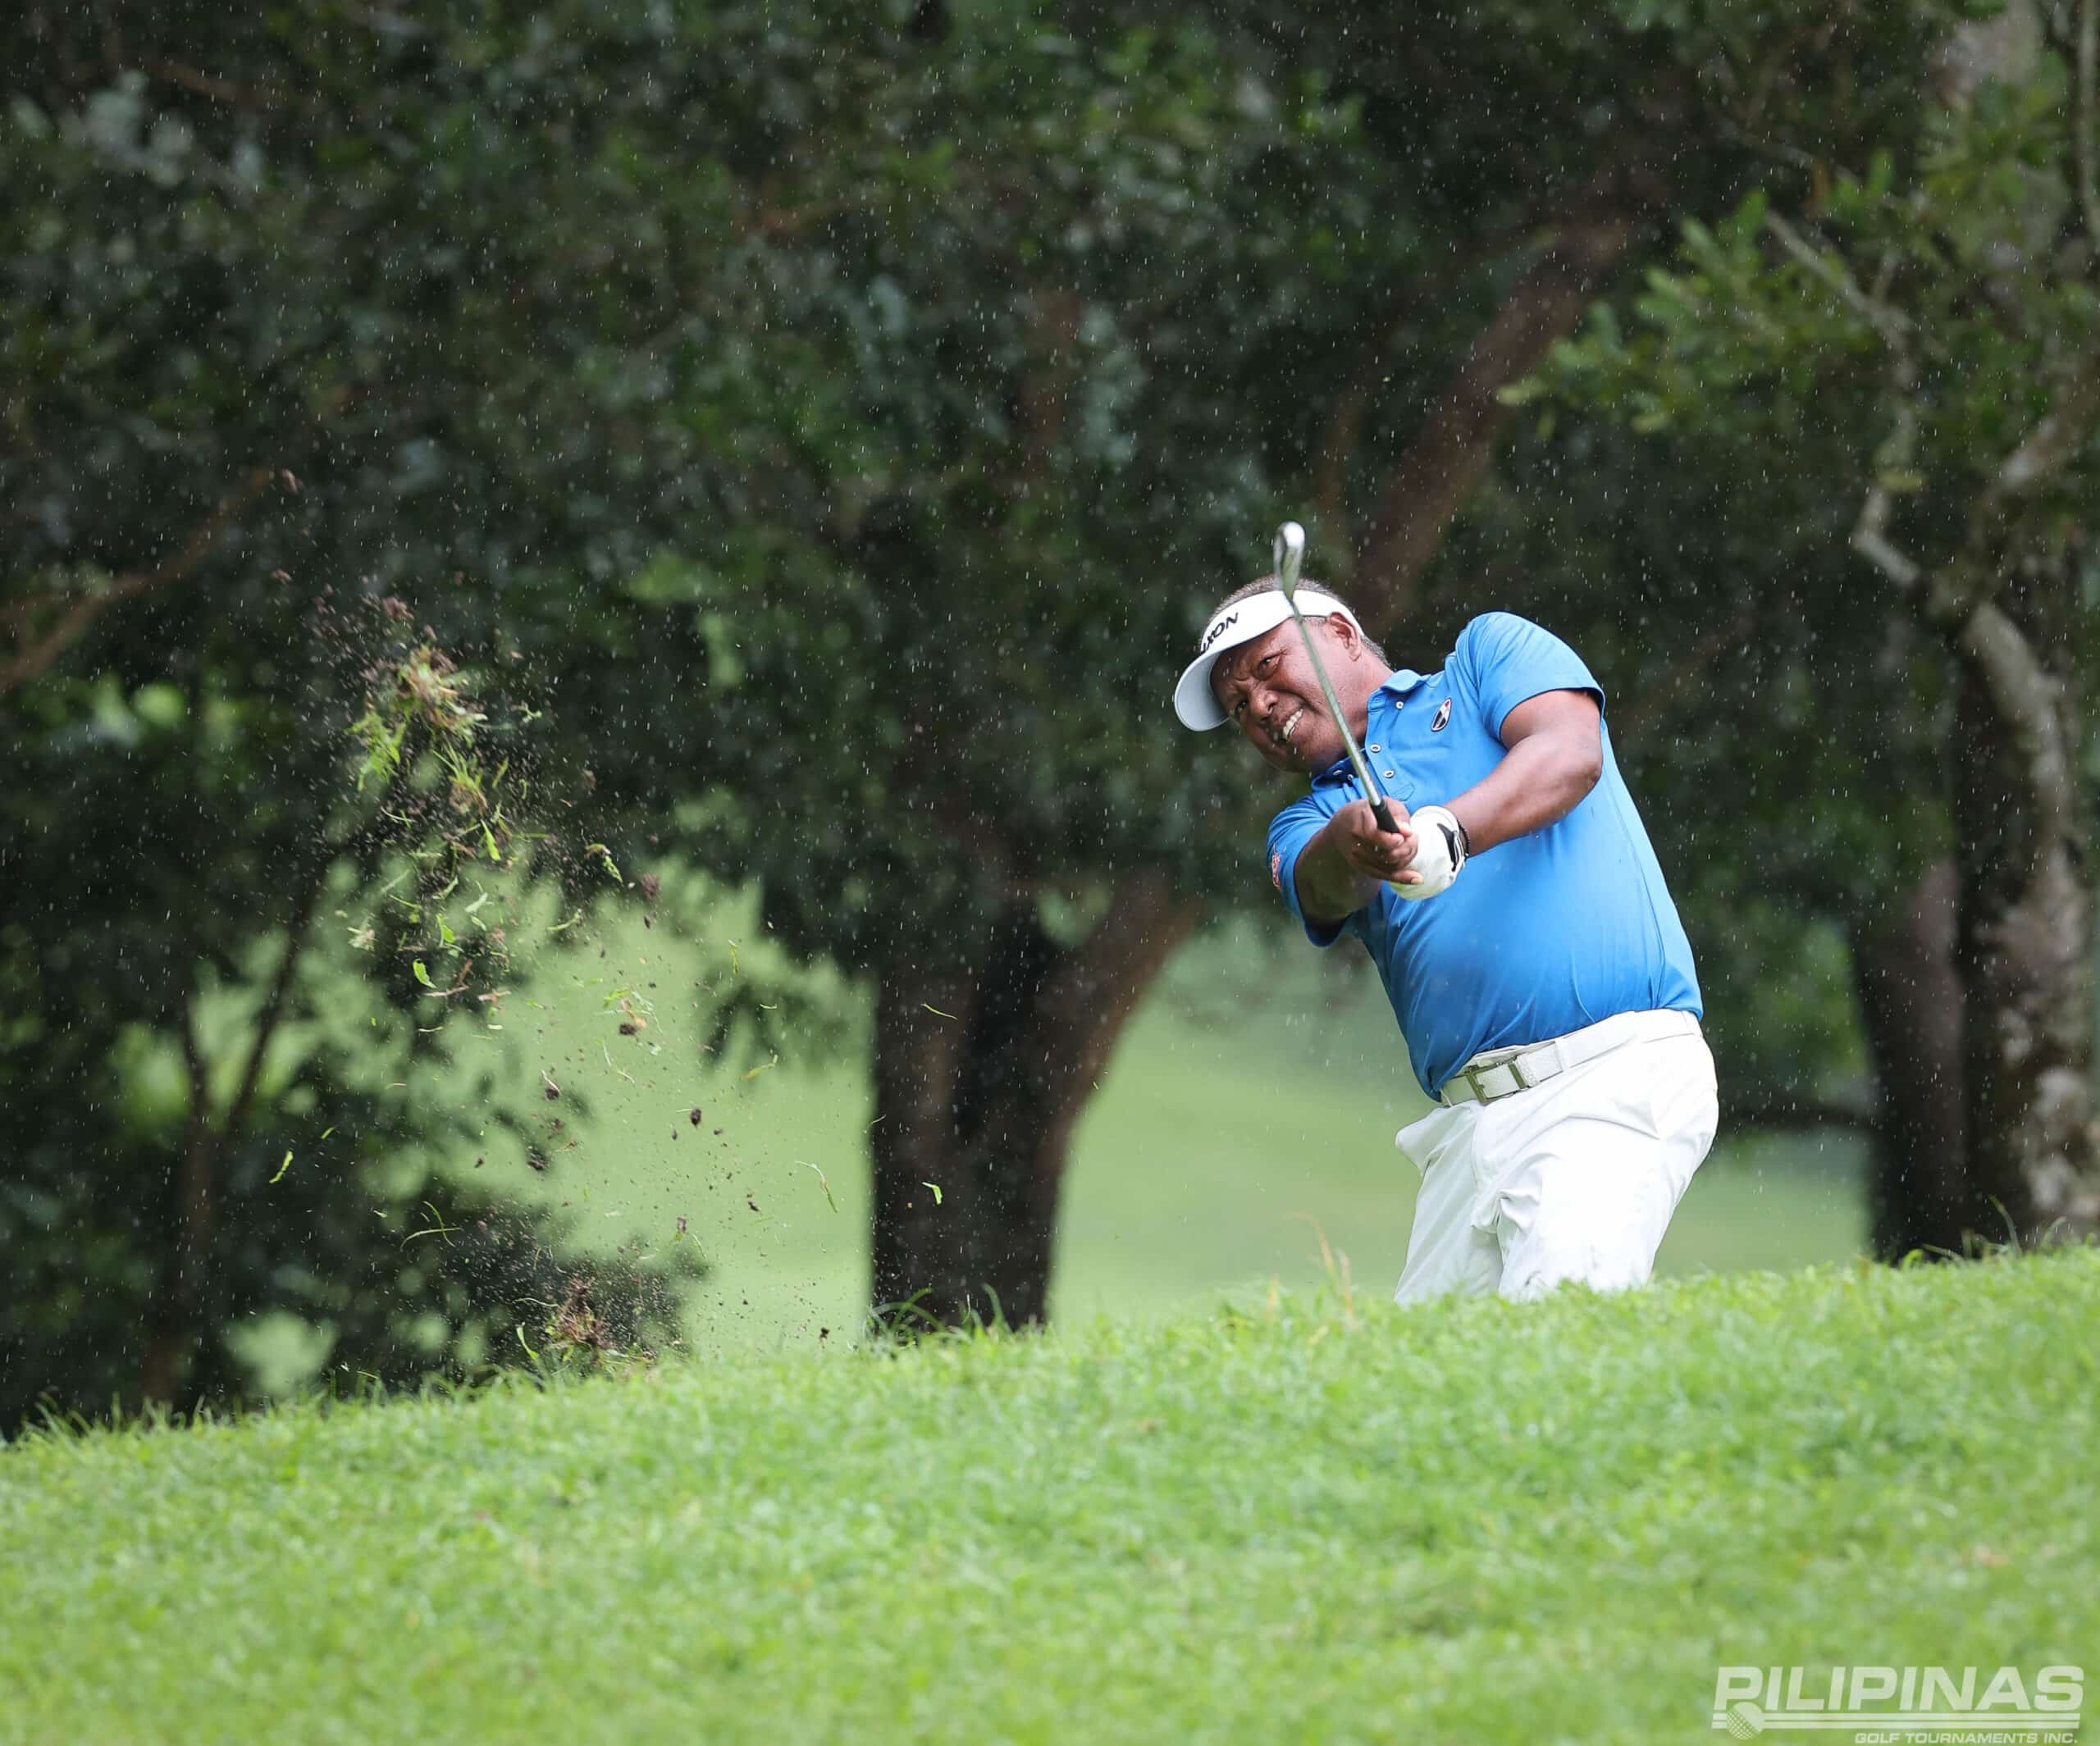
(1573, 1179)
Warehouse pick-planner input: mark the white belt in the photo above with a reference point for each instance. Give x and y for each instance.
(1498, 1072)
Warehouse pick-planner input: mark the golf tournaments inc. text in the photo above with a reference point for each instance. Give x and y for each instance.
(1970, 1705)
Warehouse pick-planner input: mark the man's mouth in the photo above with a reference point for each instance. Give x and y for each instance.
(1288, 728)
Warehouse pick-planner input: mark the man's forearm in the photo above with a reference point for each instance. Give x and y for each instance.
(1330, 890)
(1538, 781)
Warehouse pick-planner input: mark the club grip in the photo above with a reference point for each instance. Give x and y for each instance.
(1384, 814)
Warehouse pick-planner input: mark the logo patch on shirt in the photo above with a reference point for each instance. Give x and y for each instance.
(1276, 869)
(1442, 715)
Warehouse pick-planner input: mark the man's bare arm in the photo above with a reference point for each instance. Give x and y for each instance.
(1556, 754)
(1339, 870)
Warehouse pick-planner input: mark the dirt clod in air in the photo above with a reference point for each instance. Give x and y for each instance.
(575, 1323)
(694, 1117)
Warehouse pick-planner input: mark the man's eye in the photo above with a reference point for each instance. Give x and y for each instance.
(1267, 662)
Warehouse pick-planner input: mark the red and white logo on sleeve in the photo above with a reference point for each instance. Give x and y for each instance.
(1276, 869)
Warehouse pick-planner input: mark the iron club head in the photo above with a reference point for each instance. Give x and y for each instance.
(1289, 550)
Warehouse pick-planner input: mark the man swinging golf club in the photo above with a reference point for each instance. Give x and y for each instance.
(1471, 827)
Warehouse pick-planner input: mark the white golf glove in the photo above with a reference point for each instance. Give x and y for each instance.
(1440, 852)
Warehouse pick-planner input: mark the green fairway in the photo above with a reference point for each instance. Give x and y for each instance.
(1475, 1522)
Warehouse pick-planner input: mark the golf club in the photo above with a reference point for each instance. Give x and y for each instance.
(1290, 555)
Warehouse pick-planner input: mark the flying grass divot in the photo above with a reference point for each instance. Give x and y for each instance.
(1477, 1521)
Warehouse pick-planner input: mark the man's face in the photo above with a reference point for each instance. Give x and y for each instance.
(1268, 690)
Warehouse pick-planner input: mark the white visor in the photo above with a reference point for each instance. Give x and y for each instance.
(1241, 622)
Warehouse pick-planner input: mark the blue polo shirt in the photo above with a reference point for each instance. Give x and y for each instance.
(1540, 936)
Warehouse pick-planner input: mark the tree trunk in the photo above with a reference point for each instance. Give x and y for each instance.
(174, 1322)
(2024, 943)
(1910, 1007)
(180, 1315)
(978, 1083)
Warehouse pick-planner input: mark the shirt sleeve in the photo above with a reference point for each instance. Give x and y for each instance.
(1289, 832)
(1510, 660)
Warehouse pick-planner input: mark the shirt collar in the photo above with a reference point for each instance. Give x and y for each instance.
(1400, 683)
(1393, 692)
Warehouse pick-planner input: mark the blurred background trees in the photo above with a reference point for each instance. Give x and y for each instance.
(832, 423)
(1909, 349)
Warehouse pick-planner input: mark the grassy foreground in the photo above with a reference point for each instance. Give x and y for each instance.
(1278, 1521)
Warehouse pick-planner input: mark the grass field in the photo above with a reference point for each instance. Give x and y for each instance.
(1474, 1522)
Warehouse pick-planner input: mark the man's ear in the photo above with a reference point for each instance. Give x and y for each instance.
(1345, 633)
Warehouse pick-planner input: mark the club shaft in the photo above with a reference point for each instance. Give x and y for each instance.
(1288, 559)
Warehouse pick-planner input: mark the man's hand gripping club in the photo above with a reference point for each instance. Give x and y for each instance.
(1341, 870)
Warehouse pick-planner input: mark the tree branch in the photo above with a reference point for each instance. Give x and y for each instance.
(273, 1002)
(1958, 598)
(1870, 536)
(1046, 385)
(1445, 461)
(33, 654)
(169, 1327)
(1345, 420)
(1891, 324)
(2048, 448)
(1099, 985)
(1973, 576)
(2088, 51)
(255, 98)
(205, 1141)
(193, 1060)
(2026, 696)
(1630, 724)
(1871, 532)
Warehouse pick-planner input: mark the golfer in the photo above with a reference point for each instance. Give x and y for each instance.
(1518, 920)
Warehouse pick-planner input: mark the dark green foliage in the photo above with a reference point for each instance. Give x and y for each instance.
(836, 418)
(1901, 366)
(204, 1123)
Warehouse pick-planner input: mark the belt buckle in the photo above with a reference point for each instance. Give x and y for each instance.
(1519, 1080)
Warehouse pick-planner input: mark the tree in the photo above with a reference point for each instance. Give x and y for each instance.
(1926, 327)
(844, 424)
(241, 410)
(1402, 243)
(201, 1097)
